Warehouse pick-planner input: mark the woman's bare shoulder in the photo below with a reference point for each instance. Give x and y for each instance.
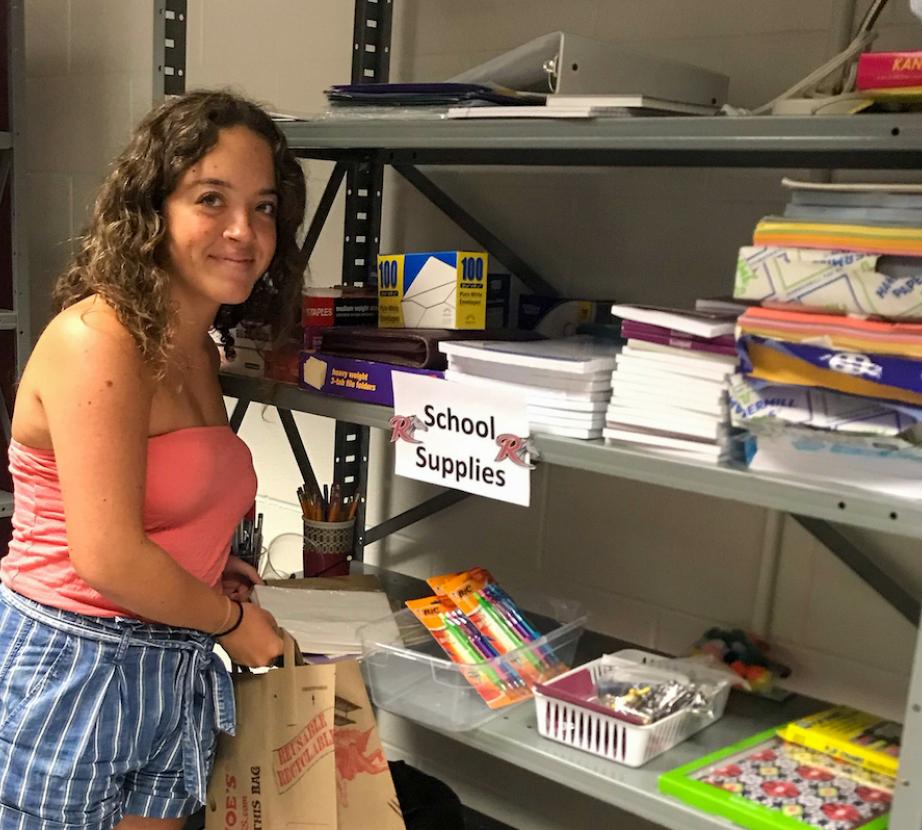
(91, 326)
(87, 339)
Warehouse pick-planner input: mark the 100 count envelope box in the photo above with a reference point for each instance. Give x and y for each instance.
(347, 377)
(437, 290)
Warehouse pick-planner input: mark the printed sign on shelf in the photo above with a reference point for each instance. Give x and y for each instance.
(461, 437)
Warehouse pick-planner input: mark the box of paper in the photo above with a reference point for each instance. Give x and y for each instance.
(438, 290)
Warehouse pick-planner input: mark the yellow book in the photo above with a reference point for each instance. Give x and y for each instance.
(850, 735)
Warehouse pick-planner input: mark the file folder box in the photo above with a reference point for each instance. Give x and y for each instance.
(347, 377)
(408, 674)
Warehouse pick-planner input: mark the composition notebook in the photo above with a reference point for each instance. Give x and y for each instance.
(764, 783)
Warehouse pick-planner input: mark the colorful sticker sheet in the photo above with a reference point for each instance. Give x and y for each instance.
(801, 784)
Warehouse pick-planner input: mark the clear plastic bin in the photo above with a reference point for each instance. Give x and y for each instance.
(411, 676)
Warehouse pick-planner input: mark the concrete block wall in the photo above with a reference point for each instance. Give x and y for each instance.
(89, 78)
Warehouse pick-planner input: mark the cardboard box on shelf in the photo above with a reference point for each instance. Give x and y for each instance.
(439, 289)
(342, 305)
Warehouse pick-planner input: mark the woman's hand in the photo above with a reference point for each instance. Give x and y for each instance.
(257, 641)
(238, 579)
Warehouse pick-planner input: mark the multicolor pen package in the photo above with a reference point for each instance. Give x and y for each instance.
(479, 625)
(494, 679)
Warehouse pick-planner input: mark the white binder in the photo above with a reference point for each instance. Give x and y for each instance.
(564, 63)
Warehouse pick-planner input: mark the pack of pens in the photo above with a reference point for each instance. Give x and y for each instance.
(479, 626)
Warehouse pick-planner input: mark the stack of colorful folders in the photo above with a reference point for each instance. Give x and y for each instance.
(668, 389)
(831, 365)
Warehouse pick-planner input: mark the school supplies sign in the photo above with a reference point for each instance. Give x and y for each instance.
(461, 437)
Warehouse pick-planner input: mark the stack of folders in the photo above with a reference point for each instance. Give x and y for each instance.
(669, 386)
(566, 382)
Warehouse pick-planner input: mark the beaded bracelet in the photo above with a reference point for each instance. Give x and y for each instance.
(236, 625)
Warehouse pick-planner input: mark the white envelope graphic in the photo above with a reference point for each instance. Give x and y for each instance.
(429, 302)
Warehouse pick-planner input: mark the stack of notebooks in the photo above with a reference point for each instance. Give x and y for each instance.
(566, 382)
(831, 364)
(669, 386)
(834, 770)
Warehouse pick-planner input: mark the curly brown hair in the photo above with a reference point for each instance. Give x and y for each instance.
(119, 255)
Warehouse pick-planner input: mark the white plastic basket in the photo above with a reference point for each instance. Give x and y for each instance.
(615, 739)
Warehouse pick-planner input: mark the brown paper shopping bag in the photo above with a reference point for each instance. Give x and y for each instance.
(365, 790)
(279, 771)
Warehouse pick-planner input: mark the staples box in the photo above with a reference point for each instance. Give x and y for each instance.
(438, 290)
(361, 380)
(343, 305)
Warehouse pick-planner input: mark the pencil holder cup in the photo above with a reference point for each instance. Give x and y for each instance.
(328, 547)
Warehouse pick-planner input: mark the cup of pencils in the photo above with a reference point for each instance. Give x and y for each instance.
(329, 529)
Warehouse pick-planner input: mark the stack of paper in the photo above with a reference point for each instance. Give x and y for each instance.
(326, 622)
(830, 366)
(669, 387)
(566, 382)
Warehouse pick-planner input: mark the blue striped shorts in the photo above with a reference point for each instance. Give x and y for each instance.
(102, 718)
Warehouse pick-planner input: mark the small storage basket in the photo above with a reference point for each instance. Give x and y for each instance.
(616, 739)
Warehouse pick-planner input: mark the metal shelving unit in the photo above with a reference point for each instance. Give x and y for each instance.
(847, 506)
(893, 141)
(862, 141)
(880, 141)
(514, 737)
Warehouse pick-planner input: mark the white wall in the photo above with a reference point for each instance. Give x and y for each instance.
(650, 564)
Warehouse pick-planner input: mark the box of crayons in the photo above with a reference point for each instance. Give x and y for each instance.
(465, 654)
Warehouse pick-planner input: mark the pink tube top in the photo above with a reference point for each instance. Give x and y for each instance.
(200, 483)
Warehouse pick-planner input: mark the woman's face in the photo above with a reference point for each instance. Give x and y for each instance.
(220, 222)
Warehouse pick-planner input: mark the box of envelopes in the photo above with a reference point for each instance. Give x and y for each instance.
(437, 290)
(361, 380)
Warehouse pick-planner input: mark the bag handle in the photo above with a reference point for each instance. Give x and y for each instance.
(290, 660)
(291, 651)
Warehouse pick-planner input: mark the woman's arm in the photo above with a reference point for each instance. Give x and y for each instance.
(96, 393)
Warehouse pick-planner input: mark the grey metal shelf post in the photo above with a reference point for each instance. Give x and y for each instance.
(371, 44)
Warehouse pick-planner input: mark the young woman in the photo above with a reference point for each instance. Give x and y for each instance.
(129, 482)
